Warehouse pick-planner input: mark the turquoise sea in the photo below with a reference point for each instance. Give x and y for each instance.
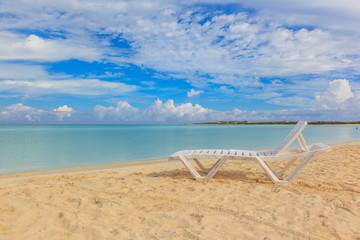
(35, 147)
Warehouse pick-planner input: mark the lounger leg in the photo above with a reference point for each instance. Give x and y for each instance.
(285, 168)
(292, 175)
(203, 169)
(270, 173)
(191, 169)
(300, 167)
(216, 167)
(196, 175)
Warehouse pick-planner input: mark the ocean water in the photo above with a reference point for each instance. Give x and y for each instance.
(34, 147)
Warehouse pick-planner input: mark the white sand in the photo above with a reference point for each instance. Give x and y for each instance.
(162, 201)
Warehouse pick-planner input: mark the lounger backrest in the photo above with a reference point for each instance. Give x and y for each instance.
(290, 138)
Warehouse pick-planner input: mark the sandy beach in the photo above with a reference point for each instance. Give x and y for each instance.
(163, 201)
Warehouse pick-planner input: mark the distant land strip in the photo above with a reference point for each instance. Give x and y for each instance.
(276, 123)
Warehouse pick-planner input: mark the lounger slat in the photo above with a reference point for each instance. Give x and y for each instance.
(260, 154)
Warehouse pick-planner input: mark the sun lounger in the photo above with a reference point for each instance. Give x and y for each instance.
(281, 152)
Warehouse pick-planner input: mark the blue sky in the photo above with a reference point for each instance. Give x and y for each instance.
(179, 61)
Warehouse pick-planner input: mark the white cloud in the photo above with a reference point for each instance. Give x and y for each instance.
(183, 40)
(20, 113)
(122, 112)
(194, 93)
(296, 101)
(91, 87)
(341, 90)
(339, 96)
(64, 112)
(64, 108)
(33, 47)
(33, 80)
(168, 112)
(226, 90)
(158, 112)
(236, 46)
(186, 38)
(22, 71)
(265, 95)
(338, 15)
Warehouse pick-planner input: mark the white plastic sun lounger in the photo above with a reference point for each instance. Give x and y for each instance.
(281, 152)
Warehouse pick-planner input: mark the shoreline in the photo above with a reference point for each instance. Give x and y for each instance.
(83, 169)
(107, 167)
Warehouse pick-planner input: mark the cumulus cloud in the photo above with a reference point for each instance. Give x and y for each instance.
(20, 113)
(340, 89)
(338, 102)
(122, 112)
(339, 96)
(64, 112)
(193, 92)
(157, 112)
(167, 112)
